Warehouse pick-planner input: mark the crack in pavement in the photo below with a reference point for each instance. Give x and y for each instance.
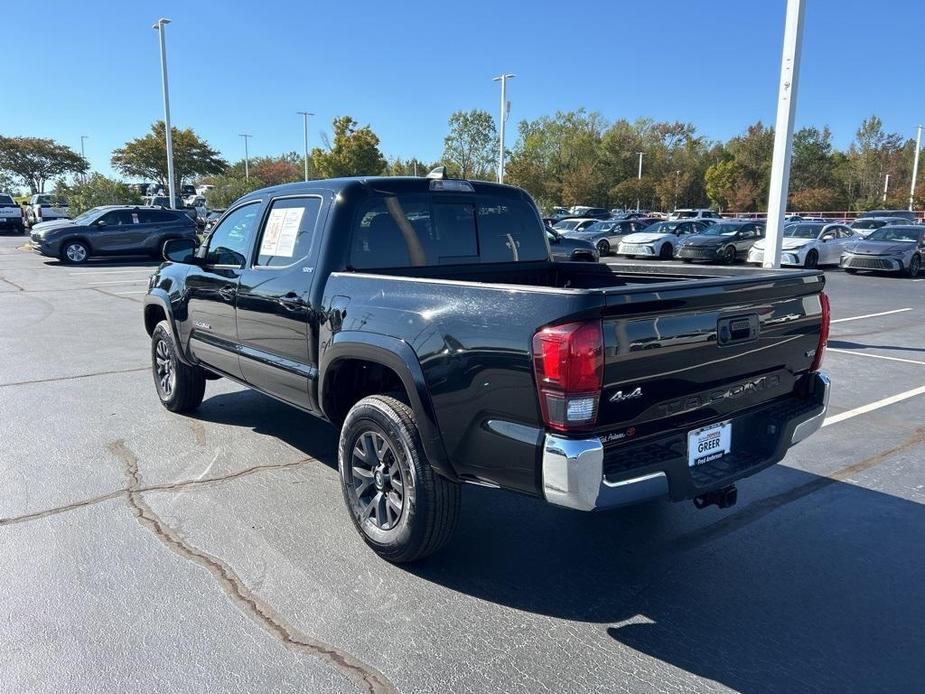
(12, 283)
(71, 378)
(370, 679)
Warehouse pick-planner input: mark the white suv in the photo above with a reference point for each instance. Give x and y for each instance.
(700, 213)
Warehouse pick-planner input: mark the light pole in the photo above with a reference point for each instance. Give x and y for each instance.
(783, 132)
(505, 110)
(84, 156)
(159, 26)
(886, 185)
(305, 115)
(915, 165)
(247, 173)
(639, 178)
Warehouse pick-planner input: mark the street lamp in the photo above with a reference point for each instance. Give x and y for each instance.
(638, 178)
(82, 155)
(247, 174)
(915, 165)
(505, 110)
(783, 132)
(159, 26)
(886, 186)
(305, 115)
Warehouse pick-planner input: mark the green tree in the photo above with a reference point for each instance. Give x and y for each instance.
(36, 160)
(630, 191)
(273, 171)
(94, 191)
(227, 189)
(469, 150)
(874, 154)
(146, 157)
(8, 184)
(721, 181)
(408, 167)
(354, 152)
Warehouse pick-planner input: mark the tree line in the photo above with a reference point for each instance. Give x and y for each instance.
(569, 158)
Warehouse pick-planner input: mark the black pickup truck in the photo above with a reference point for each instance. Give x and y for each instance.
(425, 318)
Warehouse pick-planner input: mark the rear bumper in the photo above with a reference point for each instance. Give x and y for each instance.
(576, 473)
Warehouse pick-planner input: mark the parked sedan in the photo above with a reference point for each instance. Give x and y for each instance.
(892, 248)
(112, 230)
(607, 234)
(573, 224)
(564, 248)
(809, 244)
(726, 241)
(660, 239)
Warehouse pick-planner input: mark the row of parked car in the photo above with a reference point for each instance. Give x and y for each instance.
(887, 241)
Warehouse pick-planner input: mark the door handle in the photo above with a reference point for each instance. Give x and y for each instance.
(228, 293)
(291, 301)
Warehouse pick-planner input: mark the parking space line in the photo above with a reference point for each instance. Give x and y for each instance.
(871, 315)
(143, 291)
(864, 409)
(874, 356)
(125, 281)
(109, 272)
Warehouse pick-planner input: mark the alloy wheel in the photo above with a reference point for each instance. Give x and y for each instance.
(163, 365)
(376, 484)
(76, 253)
(915, 265)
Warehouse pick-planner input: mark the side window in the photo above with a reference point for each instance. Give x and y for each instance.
(231, 240)
(149, 216)
(117, 218)
(288, 231)
(747, 231)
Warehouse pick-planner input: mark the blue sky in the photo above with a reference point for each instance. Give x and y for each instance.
(93, 68)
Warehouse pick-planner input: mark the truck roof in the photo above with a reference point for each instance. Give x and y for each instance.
(390, 184)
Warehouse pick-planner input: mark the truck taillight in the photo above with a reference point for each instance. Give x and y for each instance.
(823, 331)
(568, 361)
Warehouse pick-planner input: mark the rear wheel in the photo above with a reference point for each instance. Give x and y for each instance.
(812, 259)
(915, 266)
(666, 251)
(180, 387)
(75, 252)
(402, 508)
(603, 247)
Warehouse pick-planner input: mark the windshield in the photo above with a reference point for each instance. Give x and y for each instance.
(6, 200)
(566, 226)
(891, 233)
(868, 224)
(599, 227)
(50, 200)
(802, 231)
(661, 228)
(723, 229)
(88, 216)
(684, 214)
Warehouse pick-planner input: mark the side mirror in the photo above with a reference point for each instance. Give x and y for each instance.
(180, 251)
(100, 223)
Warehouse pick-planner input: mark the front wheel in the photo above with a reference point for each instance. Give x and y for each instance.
(729, 255)
(75, 252)
(851, 272)
(603, 247)
(666, 252)
(812, 260)
(915, 266)
(402, 508)
(180, 387)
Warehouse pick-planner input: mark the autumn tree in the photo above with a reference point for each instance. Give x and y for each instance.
(36, 160)
(470, 148)
(353, 152)
(146, 157)
(272, 171)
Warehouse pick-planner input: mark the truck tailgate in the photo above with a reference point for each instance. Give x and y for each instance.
(692, 351)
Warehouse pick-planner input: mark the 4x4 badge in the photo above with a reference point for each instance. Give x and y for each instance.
(620, 397)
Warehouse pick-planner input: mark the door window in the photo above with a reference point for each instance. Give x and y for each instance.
(288, 231)
(117, 218)
(149, 216)
(230, 242)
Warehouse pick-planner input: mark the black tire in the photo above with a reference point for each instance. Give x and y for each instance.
(180, 387)
(915, 266)
(729, 255)
(687, 260)
(812, 260)
(429, 504)
(666, 252)
(603, 247)
(850, 271)
(75, 252)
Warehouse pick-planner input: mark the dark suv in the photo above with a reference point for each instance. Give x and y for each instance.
(111, 230)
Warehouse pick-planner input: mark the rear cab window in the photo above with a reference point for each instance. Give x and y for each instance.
(417, 230)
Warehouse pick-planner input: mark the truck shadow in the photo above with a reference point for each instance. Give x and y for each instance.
(845, 344)
(808, 584)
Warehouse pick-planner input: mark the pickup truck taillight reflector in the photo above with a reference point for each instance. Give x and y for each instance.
(823, 331)
(569, 364)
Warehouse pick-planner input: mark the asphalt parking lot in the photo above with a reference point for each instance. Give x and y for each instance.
(145, 551)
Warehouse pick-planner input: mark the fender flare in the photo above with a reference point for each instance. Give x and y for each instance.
(398, 356)
(158, 297)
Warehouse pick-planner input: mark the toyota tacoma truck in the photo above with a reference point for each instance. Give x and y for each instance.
(425, 319)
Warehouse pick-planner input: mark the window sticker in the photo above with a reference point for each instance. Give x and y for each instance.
(281, 232)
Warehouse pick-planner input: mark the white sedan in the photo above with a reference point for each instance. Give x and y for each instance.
(809, 244)
(659, 240)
